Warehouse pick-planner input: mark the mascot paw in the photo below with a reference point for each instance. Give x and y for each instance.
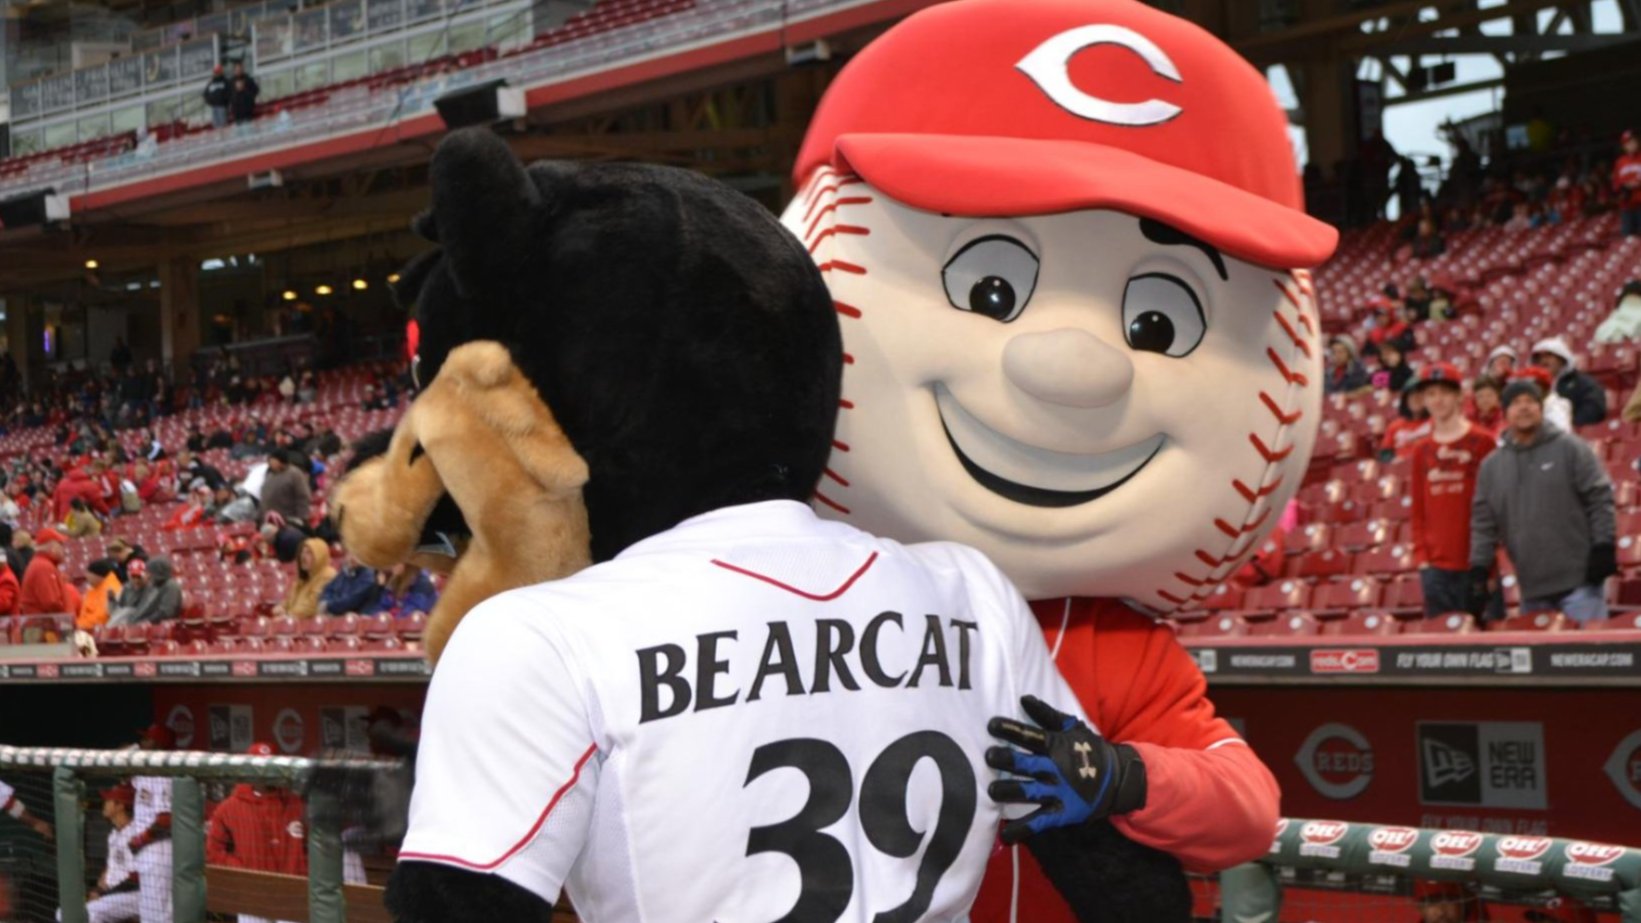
(1107, 878)
(425, 892)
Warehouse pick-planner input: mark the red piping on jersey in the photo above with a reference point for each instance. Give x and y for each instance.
(820, 598)
(534, 829)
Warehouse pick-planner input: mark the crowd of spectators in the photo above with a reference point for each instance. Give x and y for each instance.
(1558, 175)
(104, 462)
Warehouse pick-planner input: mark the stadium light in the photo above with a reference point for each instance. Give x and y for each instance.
(290, 294)
(322, 290)
(393, 278)
(91, 264)
(360, 285)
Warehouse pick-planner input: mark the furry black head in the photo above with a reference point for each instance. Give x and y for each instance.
(683, 338)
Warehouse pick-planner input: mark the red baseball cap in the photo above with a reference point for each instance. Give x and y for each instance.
(1445, 373)
(991, 107)
(124, 794)
(137, 568)
(48, 534)
(260, 749)
(162, 736)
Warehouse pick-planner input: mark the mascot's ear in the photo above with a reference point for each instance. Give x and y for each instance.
(483, 205)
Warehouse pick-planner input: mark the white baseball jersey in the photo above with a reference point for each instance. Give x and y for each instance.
(121, 864)
(7, 793)
(756, 715)
(153, 799)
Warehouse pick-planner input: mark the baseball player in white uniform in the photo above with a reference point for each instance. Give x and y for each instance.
(117, 897)
(151, 832)
(757, 715)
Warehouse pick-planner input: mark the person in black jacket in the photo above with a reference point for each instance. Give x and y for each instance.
(242, 94)
(1588, 398)
(218, 94)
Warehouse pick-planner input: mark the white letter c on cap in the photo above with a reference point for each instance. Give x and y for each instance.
(1048, 66)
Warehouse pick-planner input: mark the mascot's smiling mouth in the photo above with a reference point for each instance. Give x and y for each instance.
(1073, 478)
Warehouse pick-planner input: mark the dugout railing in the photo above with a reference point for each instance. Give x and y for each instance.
(1316, 870)
(330, 787)
(1334, 870)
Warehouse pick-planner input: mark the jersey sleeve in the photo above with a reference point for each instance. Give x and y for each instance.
(1210, 801)
(507, 766)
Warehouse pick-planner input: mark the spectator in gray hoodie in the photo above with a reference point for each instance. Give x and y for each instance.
(152, 595)
(1543, 495)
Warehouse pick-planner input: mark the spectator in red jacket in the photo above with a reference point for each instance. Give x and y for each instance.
(1627, 184)
(44, 590)
(259, 827)
(11, 591)
(1444, 484)
(76, 483)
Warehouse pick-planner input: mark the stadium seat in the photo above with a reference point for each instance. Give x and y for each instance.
(1405, 595)
(285, 627)
(1288, 624)
(1220, 626)
(1312, 538)
(1284, 594)
(1324, 565)
(1451, 623)
(1347, 596)
(377, 627)
(1363, 623)
(1629, 621)
(1534, 621)
(412, 627)
(1222, 597)
(1360, 536)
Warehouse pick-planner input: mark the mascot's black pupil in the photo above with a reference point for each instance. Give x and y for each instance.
(1151, 331)
(992, 296)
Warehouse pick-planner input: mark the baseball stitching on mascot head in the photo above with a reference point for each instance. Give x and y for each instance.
(1067, 248)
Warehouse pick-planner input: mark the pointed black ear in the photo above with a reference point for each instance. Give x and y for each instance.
(482, 205)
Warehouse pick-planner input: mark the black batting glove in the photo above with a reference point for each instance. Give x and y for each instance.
(1072, 774)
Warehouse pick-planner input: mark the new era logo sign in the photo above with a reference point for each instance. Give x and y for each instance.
(1493, 764)
(1445, 765)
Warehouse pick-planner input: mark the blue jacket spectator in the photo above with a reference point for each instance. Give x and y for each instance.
(355, 589)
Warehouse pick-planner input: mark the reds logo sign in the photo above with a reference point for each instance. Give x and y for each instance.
(1623, 767)
(1352, 660)
(1337, 760)
(1049, 66)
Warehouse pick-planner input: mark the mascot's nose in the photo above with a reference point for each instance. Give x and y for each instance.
(1069, 366)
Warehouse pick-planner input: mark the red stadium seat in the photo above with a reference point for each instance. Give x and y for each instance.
(1405, 594)
(1347, 596)
(1325, 565)
(1222, 597)
(1534, 621)
(412, 626)
(1360, 536)
(1451, 623)
(1219, 626)
(285, 627)
(1629, 621)
(1312, 538)
(377, 627)
(1386, 562)
(1363, 623)
(1288, 624)
(1285, 594)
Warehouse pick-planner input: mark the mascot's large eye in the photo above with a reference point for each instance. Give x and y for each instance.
(993, 276)
(1161, 314)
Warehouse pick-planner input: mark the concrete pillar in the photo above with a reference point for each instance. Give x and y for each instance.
(1327, 94)
(179, 310)
(19, 336)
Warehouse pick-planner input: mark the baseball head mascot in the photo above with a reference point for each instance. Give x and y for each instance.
(1066, 244)
(605, 351)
